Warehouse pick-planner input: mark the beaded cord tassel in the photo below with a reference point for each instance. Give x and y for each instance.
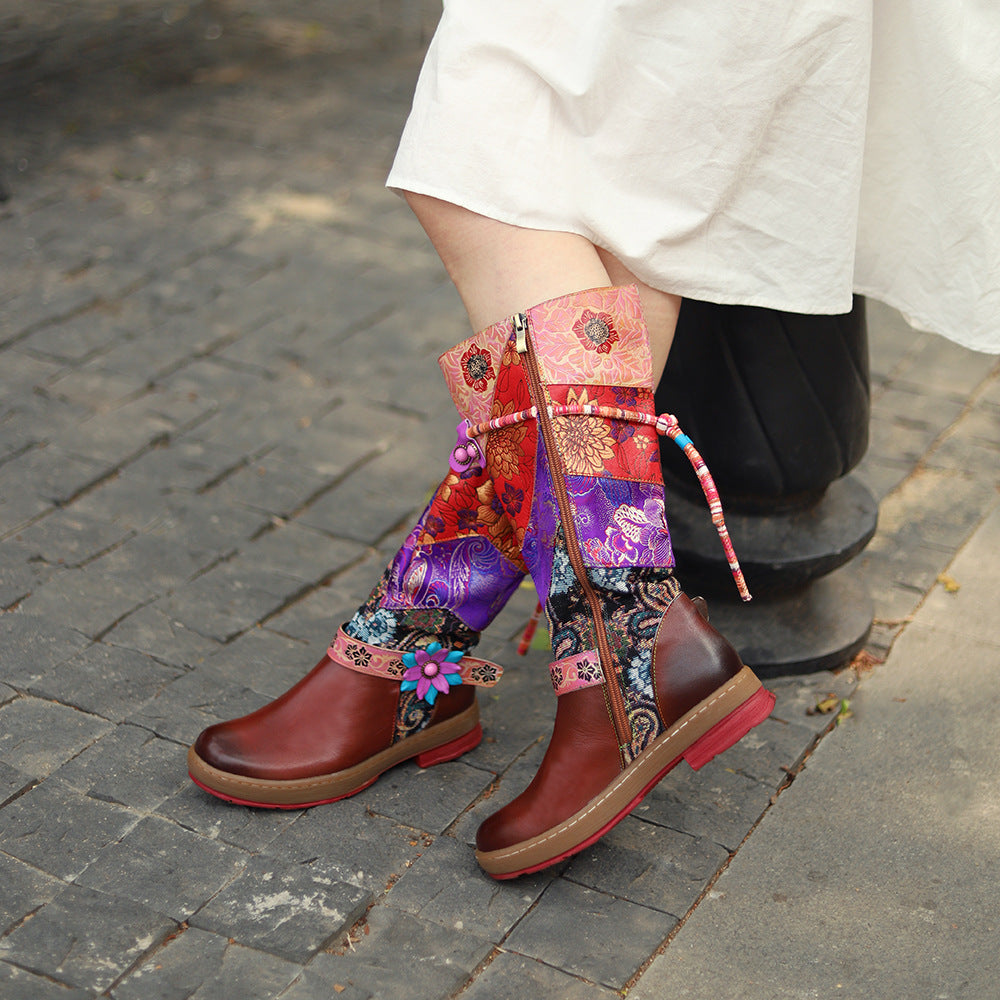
(665, 425)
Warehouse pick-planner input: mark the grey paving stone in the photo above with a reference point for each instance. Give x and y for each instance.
(303, 552)
(314, 619)
(192, 702)
(715, 803)
(264, 661)
(126, 502)
(25, 371)
(129, 766)
(943, 368)
(38, 736)
(165, 867)
(348, 843)
(69, 537)
(87, 601)
(898, 441)
(610, 937)
(796, 697)
(251, 829)
(514, 977)
(93, 386)
(19, 984)
(85, 938)
(648, 864)
(909, 406)
(518, 712)
(446, 886)
(272, 484)
(882, 475)
(152, 562)
(23, 889)
(286, 909)
(154, 631)
(75, 339)
(197, 965)
(20, 572)
(428, 799)
(116, 437)
(12, 781)
(513, 781)
(401, 955)
(184, 464)
(108, 681)
(60, 831)
(201, 525)
(352, 431)
(30, 646)
(769, 751)
(313, 985)
(7, 693)
(54, 473)
(367, 506)
(231, 597)
(972, 445)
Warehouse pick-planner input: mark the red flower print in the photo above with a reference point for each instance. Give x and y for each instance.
(596, 331)
(477, 367)
(513, 499)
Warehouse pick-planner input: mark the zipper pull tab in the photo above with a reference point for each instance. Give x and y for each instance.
(521, 333)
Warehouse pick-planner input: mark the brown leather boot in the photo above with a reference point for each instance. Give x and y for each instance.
(338, 729)
(397, 682)
(571, 445)
(706, 701)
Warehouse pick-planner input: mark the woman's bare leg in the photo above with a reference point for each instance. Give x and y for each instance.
(501, 269)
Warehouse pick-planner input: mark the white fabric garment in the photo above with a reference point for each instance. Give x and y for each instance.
(718, 148)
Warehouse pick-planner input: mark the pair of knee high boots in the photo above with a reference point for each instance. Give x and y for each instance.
(556, 473)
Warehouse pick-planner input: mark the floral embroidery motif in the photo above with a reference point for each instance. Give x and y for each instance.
(499, 528)
(585, 443)
(576, 672)
(596, 331)
(505, 447)
(646, 529)
(477, 367)
(512, 499)
(357, 654)
(427, 671)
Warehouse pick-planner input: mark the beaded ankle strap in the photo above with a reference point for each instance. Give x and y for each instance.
(390, 663)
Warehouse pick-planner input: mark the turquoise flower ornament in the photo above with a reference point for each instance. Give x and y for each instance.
(428, 671)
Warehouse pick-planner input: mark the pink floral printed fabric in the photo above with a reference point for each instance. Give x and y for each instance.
(602, 338)
(471, 368)
(575, 672)
(388, 663)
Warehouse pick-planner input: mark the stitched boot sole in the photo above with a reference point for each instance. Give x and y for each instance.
(714, 725)
(438, 743)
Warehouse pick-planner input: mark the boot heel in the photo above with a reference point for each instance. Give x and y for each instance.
(731, 729)
(451, 751)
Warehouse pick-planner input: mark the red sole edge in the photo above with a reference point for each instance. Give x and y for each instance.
(721, 736)
(428, 758)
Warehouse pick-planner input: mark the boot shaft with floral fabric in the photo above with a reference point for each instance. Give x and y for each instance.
(560, 399)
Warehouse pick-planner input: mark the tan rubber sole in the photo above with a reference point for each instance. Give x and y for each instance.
(439, 743)
(710, 727)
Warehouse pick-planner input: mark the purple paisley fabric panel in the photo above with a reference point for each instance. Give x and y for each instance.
(539, 539)
(620, 522)
(469, 576)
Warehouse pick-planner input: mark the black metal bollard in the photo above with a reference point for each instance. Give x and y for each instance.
(778, 404)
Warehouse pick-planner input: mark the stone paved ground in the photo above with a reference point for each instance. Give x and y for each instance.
(220, 412)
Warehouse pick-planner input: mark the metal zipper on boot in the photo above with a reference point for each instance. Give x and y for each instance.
(619, 714)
